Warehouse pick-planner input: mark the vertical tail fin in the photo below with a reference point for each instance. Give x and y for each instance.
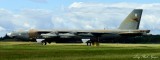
(132, 21)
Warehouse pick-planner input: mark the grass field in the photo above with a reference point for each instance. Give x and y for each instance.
(34, 51)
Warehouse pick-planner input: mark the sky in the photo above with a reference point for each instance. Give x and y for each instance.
(22, 15)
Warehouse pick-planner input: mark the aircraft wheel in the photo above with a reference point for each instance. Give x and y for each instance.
(44, 42)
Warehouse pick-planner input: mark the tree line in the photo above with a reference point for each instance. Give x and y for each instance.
(137, 39)
(5, 37)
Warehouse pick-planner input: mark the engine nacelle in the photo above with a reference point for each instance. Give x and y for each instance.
(66, 35)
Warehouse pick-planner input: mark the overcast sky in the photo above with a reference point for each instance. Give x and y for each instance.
(75, 14)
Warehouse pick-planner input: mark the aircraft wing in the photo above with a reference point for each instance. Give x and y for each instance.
(69, 34)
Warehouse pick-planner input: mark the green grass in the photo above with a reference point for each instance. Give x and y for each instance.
(33, 51)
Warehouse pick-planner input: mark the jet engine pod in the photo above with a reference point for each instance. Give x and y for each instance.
(49, 35)
(66, 35)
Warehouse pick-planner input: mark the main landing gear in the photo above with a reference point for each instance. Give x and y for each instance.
(93, 42)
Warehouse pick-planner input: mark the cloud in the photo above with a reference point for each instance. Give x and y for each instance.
(33, 18)
(25, 19)
(80, 15)
(107, 14)
(39, 1)
(2, 29)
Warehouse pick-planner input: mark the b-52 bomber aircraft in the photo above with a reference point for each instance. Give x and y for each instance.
(128, 28)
